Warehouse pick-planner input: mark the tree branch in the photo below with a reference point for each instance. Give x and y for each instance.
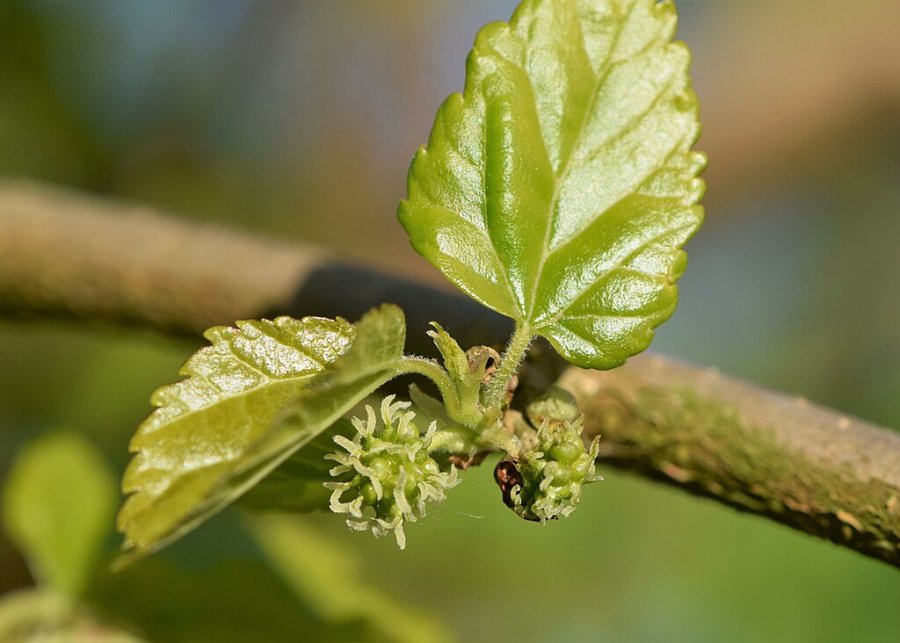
(777, 456)
(63, 254)
(66, 254)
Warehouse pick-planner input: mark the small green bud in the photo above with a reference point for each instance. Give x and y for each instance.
(393, 475)
(545, 482)
(556, 405)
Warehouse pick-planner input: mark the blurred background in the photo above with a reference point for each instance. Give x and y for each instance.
(299, 119)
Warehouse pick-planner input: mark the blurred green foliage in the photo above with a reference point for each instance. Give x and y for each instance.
(58, 502)
(260, 125)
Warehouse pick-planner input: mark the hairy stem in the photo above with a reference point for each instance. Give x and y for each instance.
(509, 364)
(433, 371)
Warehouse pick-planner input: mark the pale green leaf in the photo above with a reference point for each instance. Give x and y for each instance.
(297, 485)
(253, 399)
(559, 187)
(455, 360)
(380, 339)
(466, 370)
(207, 429)
(58, 504)
(375, 357)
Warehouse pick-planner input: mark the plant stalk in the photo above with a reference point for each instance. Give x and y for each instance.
(437, 374)
(509, 364)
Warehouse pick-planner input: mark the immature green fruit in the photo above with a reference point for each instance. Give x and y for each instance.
(387, 475)
(545, 482)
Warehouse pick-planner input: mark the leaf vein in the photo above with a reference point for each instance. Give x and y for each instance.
(599, 79)
(616, 266)
(651, 175)
(633, 124)
(291, 343)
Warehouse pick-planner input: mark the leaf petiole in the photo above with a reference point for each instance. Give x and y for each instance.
(509, 364)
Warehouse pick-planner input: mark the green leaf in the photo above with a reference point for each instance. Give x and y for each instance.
(254, 398)
(375, 357)
(58, 504)
(379, 343)
(466, 370)
(208, 428)
(455, 360)
(559, 187)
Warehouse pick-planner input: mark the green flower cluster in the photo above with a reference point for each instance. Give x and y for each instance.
(386, 473)
(545, 481)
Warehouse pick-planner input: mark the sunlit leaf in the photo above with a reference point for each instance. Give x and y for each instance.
(253, 399)
(206, 426)
(375, 357)
(559, 187)
(58, 504)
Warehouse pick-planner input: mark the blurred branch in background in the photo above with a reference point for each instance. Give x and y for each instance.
(65, 254)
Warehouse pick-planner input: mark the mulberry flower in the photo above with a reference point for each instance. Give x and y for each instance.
(386, 475)
(545, 482)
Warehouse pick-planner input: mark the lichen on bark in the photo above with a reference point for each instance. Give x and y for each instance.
(715, 449)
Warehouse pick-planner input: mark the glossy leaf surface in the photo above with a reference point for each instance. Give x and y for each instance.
(208, 426)
(375, 357)
(253, 399)
(559, 187)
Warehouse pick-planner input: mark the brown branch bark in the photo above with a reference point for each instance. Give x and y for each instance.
(779, 457)
(67, 254)
(774, 455)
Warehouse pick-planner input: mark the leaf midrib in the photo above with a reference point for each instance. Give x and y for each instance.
(599, 80)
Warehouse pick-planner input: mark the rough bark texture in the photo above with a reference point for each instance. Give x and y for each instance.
(780, 457)
(763, 452)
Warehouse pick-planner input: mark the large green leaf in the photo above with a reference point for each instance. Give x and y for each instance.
(560, 186)
(253, 399)
(206, 426)
(58, 503)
